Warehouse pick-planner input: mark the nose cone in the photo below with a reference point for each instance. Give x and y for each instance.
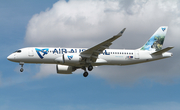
(10, 57)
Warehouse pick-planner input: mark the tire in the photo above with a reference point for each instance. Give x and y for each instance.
(90, 68)
(21, 70)
(85, 74)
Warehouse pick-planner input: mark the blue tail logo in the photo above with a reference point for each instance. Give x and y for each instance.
(42, 52)
(70, 57)
(163, 29)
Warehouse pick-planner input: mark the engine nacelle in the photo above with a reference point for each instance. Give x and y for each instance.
(63, 69)
(68, 58)
(72, 58)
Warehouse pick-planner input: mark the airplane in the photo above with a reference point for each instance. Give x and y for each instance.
(67, 60)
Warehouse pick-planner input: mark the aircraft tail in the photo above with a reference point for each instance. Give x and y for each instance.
(156, 41)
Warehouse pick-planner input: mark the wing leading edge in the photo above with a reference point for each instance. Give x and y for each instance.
(93, 52)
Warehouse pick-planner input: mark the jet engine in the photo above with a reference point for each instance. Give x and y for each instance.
(63, 69)
(68, 58)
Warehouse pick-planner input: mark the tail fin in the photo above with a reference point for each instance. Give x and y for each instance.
(155, 43)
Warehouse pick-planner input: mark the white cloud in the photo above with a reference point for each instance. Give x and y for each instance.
(82, 22)
(157, 71)
(86, 23)
(46, 70)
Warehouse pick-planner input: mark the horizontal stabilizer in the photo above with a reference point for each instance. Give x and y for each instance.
(162, 51)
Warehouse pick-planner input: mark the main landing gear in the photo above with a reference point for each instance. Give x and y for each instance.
(90, 68)
(85, 74)
(21, 63)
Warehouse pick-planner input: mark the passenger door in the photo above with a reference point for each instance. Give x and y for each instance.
(136, 54)
(30, 52)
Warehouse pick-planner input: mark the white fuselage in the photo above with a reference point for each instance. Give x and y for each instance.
(108, 57)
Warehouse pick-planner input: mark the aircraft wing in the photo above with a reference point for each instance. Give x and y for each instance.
(93, 52)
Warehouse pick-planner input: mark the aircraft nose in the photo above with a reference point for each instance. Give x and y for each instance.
(10, 57)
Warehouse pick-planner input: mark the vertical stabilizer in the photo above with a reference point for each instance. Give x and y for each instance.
(155, 43)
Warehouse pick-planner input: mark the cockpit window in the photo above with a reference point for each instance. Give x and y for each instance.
(18, 51)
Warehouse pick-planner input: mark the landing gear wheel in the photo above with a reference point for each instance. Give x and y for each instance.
(90, 68)
(21, 63)
(85, 74)
(21, 70)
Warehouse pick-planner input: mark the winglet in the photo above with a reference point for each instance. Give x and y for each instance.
(121, 32)
(162, 51)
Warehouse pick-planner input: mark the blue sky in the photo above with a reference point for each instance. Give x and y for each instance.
(153, 85)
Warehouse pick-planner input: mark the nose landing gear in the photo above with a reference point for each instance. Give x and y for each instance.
(21, 63)
(21, 70)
